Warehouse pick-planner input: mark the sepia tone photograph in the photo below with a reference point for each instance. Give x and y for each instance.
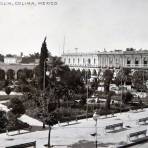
(73, 74)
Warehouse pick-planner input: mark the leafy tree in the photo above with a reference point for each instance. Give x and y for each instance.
(94, 73)
(3, 120)
(127, 97)
(123, 76)
(16, 110)
(94, 84)
(9, 55)
(138, 79)
(1, 58)
(88, 74)
(2, 74)
(16, 107)
(73, 81)
(108, 100)
(107, 75)
(31, 58)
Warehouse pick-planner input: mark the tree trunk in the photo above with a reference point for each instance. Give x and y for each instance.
(49, 136)
(107, 105)
(43, 125)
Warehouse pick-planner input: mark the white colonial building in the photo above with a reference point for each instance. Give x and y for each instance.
(12, 59)
(96, 61)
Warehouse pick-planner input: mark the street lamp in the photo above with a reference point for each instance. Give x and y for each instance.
(95, 117)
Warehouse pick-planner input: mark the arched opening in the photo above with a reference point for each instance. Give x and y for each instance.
(83, 61)
(83, 74)
(78, 60)
(69, 60)
(94, 73)
(136, 62)
(28, 73)
(88, 74)
(25, 73)
(89, 61)
(128, 62)
(2, 74)
(36, 71)
(73, 60)
(145, 62)
(10, 74)
(19, 74)
(94, 61)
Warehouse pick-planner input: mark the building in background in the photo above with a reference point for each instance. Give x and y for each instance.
(12, 59)
(97, 61)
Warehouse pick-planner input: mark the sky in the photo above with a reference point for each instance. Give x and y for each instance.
(88, 25)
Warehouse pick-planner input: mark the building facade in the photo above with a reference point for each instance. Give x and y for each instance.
(97, 61)
(12, 59)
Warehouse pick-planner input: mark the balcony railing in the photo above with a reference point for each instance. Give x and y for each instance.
(137, 65)
(109, 66)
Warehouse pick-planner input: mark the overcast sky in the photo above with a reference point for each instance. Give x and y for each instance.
(89, 25)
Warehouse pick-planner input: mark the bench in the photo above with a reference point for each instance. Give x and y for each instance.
(24, 145)
(114, 126)
(142, 120)
(135, 136)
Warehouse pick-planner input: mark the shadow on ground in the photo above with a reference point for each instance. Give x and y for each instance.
(89, 144)
(25, 131)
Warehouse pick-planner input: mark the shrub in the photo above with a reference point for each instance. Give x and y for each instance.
(7, 90)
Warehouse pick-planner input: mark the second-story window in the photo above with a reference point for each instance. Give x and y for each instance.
(73, 61)
(89, 61)
(78, 60)
(83, 61)
(94, 61)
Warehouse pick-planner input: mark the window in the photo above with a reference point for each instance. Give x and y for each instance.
(69, 60)
(73, 60)
(83, 61)
(94, 61)
(89, 61)
(78, 60)
(110, 60)
(128, 62)
(145, 62)
(136, 62)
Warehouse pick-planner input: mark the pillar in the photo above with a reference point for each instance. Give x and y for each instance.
(15, 75)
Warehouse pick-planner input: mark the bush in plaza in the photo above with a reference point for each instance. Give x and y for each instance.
(127, 97)
(7, 90)
(3, 121)
(16, 107)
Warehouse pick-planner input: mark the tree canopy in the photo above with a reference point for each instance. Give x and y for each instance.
(107, 75)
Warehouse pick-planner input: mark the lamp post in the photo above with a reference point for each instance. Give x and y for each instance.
(95, 117)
